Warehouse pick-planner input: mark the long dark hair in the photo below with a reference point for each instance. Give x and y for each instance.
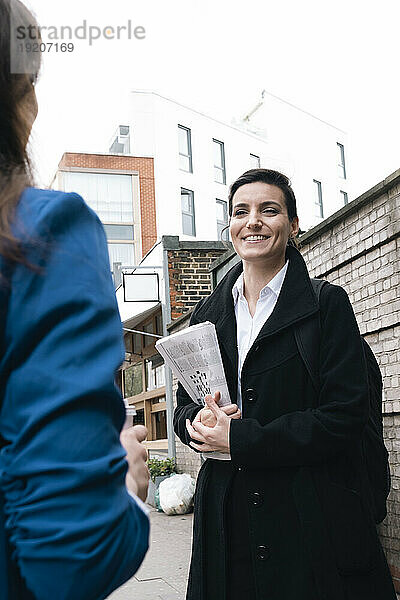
(17, 76)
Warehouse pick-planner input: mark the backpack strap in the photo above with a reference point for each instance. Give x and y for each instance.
(307, 334)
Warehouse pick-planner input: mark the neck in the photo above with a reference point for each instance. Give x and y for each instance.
(257, 275)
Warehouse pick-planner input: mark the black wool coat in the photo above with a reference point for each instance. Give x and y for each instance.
(311, 529)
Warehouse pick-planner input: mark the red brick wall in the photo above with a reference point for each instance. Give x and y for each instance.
(145, 168)
(189, 278)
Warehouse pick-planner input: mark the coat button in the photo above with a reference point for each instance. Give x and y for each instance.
(262, 552)
(250, 395)
(256, 499)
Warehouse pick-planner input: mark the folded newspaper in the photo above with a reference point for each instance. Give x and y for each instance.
(194, 357)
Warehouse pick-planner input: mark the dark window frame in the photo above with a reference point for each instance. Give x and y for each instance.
(222, 224)
(342, 161)
(220, 168)
(192, 215)
(189, 143)
(319, 201)
(258, 160)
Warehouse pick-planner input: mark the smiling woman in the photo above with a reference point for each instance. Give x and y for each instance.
(290, 514)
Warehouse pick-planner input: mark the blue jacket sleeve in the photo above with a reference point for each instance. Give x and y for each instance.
(75, 531)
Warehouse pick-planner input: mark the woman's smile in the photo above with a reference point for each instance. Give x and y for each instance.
(254, 239)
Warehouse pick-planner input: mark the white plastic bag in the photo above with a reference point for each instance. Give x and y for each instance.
(176, 494)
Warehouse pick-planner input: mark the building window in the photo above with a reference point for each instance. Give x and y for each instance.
(137, 344)
(160, 425)
(341, 161)
(155, 373)
(120, 141)
(159, 325)
(185, 149)
(121, 253)
(219, 162)
(188, 217)
(133, 380)
(344, 196)
(119, 232)
(222, 219)
(319, 208)
(254, 161)
(110, 196)
(138, 419)
(148, 340)
(128, 339)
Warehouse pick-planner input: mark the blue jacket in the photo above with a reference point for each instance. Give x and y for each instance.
(72, 529)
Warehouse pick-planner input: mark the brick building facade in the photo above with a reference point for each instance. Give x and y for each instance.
(189, 271)
(359, 248)
(143, 166)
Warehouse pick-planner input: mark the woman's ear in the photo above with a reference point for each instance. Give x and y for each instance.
(294, 227)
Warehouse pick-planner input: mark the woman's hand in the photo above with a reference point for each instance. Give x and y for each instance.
(207, 417)
(214, 438)
(137, 477)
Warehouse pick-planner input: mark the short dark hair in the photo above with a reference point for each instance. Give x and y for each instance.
(272, 178)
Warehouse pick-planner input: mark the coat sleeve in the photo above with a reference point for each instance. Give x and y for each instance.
(186, 408)
(315, 435)
(74, 530)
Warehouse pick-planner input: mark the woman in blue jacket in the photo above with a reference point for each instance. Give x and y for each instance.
(69, 529)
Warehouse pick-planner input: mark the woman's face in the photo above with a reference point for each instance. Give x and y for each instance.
(260, 226)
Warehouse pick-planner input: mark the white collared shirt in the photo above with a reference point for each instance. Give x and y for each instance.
(249, 327)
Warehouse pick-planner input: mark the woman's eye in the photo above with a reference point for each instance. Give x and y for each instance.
(268, 211)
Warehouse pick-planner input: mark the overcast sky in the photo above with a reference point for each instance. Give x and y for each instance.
(337, 60)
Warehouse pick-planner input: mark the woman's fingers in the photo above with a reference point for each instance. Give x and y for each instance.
(205, 432)
(203, 447)
(213, 406)
(194, 434)
(229, 409)
(237, 414)
(200, 414)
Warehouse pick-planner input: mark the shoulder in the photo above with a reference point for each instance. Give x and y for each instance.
(335, 305)
(41, 211)
(59, 227)
(333, 294)
(220, 300)
(194, 319)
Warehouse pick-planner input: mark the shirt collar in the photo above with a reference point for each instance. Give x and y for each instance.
(274, 285)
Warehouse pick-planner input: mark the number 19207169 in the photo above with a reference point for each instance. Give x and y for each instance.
(46, 47)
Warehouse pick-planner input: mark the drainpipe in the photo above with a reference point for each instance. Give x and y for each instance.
(169, 399)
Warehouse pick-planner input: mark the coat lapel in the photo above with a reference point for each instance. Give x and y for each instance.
(296, 300)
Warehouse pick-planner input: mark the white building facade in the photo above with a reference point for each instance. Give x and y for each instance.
(197, 157)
